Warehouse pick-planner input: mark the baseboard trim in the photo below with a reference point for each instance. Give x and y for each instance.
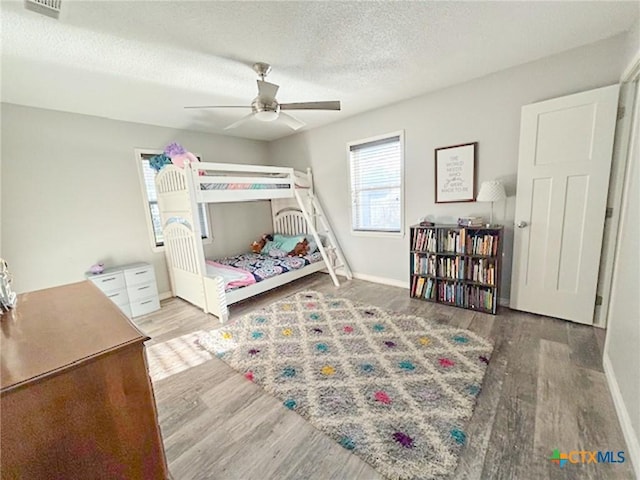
(630, 436)
(165, 295)
(504, 302)
(383, 280)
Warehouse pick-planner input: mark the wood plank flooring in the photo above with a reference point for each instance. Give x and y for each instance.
(544, 389)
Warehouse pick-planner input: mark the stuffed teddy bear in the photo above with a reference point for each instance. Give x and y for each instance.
(301, 249)
(256, 247)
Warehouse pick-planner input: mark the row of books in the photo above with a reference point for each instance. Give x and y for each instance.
(468, 296)
(482, 245)
(422, 287)
(424, 240)
(451, 267)
(482, 271)
(424, 265)
(454, 241)
(477, 270)
(451, 241)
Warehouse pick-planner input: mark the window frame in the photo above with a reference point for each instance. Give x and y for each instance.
(378, 233)
(139, 152)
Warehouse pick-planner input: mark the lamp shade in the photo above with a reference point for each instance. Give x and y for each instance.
(492, 191)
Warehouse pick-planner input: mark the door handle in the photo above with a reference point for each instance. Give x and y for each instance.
(521, 224)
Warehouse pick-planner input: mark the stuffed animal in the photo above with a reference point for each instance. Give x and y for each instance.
(256, 247)
(97, 268)
(179, 155)
(301, 249)
(158, 162)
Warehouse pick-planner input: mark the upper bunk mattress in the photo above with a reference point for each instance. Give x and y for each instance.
(264, 266)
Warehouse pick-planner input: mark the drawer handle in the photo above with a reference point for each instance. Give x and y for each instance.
(143, 271)
(108, 279)
(144, 303)
(114, 295)
(143, 288)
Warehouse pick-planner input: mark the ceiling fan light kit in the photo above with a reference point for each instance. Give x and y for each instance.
(266, 115)
(266, 108)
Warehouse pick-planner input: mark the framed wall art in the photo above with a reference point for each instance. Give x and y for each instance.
(456, 173)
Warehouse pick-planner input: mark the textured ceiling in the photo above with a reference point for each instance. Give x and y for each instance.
(143, 61)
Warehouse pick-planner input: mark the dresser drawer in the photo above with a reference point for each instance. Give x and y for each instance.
(110, 282)
(135, 276)
(146, 290)
(144, 306)
(119, 297)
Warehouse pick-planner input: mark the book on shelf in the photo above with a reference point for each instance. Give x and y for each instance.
(471, 221)
(484, 244)
(452, 241)
(424, 240)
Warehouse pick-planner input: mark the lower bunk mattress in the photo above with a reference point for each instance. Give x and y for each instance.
(249, 268)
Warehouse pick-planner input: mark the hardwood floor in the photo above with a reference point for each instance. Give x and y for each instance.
(544, 389)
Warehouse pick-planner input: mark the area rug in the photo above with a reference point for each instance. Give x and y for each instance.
(395, 389)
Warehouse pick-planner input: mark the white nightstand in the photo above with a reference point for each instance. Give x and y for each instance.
(131, 287)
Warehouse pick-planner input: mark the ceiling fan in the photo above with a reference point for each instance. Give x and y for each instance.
(265, 107)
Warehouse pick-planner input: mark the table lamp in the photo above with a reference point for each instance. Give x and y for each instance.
(491, 191)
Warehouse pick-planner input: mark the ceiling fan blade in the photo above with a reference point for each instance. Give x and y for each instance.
(267, 90)
(239, 122)
(220, 106)
(311, 106)
(291, 121)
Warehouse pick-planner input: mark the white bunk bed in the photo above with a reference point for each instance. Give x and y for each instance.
(294, 211)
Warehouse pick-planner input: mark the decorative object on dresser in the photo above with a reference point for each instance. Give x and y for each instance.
(455, 169)
(492, 191)
(8, 297)
(76, 400)
(457, 266)
(131, 287)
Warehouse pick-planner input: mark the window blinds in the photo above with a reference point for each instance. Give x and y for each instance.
(376, 185)
(154, 210)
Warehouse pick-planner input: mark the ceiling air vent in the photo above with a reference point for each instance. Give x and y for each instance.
(51, 8)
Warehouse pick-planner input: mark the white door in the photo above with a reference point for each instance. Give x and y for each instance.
(563, 178)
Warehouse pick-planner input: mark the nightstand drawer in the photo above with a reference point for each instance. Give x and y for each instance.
(109, 283)
(140, 275)
(138, 292)
(144, 306)
(119, 297)
(126, 309)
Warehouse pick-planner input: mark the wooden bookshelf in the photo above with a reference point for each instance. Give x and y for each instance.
(455, 265)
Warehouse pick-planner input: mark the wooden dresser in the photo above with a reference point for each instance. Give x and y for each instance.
(76, 398)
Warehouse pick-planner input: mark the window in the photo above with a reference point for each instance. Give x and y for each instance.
(148, 175)
(377, 184)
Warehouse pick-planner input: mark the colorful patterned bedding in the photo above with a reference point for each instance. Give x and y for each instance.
(264, 266)
(244, 186)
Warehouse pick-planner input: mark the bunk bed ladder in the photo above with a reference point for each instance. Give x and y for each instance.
(332, 246)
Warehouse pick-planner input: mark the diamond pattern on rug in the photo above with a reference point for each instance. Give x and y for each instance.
(397, 390)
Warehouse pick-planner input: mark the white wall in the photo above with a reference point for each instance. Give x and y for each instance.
(486, 110)
(622, 352)
(71, 194)
(632, 47)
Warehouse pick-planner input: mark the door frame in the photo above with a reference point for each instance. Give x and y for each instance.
(615, 197)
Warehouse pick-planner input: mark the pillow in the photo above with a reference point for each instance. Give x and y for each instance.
(285, 242)
(270, 245)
